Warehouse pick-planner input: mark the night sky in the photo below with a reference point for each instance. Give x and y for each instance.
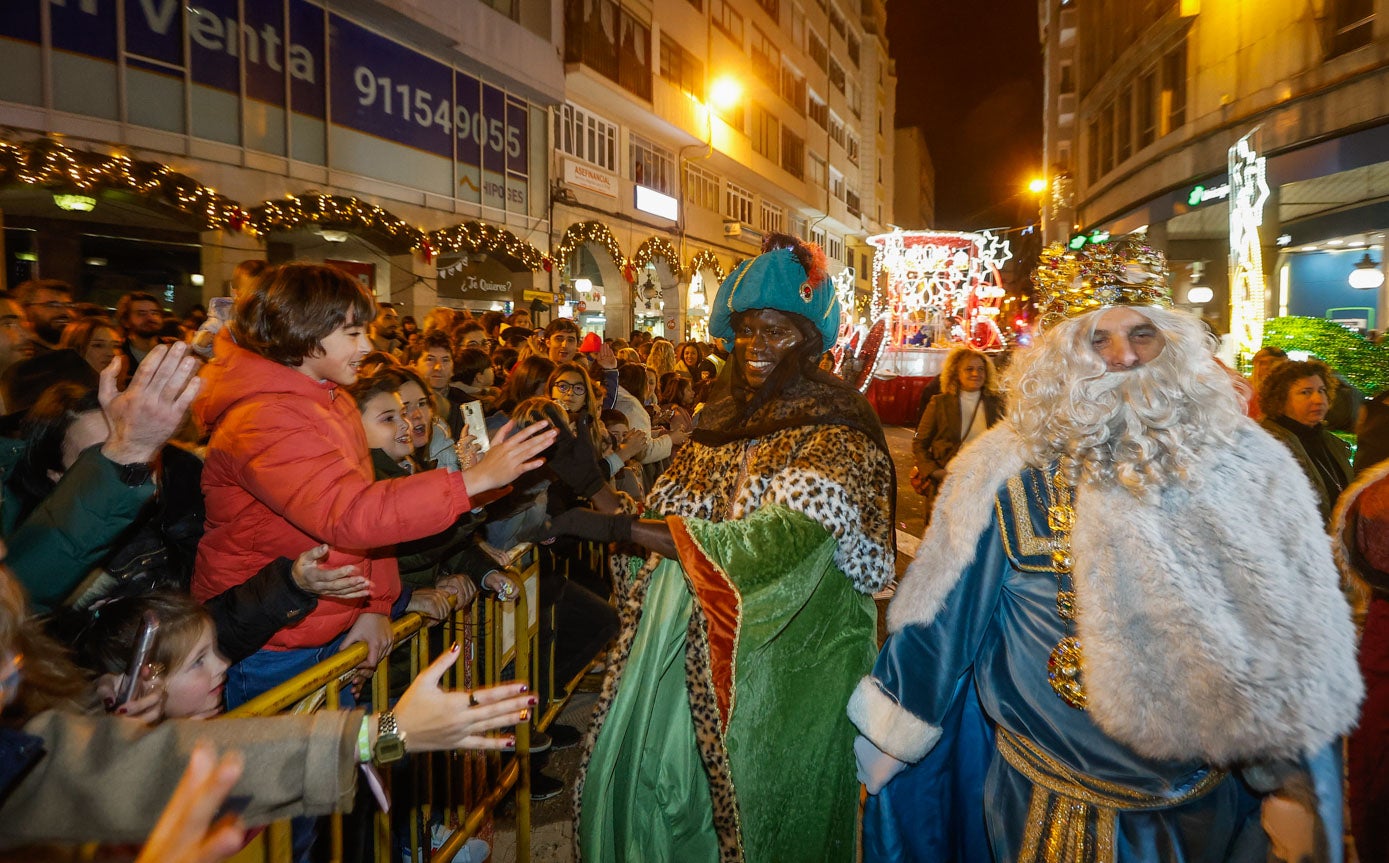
(974, 82)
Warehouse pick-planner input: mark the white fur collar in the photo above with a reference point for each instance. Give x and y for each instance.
(1211, 619)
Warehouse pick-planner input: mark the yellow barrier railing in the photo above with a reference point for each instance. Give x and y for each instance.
(473, 783)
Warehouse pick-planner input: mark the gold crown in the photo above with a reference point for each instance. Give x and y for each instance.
(1126, 272)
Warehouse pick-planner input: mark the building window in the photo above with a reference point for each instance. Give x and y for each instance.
(1174, 90)
(852, 201)
(816, 167)
(851, 146)
(836, 183)
(834, 247)
(765, 133)
(766, 59)
(1352, 25)
(854, 48)
(836, 129)
(1107, 139)
(815, 47)
(653, 166)
(702, 187)
(509, 8)
(737, 203)
(1068, 79)
(1123, 130)
(836, 75)
(773, 218)
(727, 19)
(796, 226)
(698, 4)
(792, 153)
(1092, 152)
(817, 236)
(819, 111)
(855, 97)
(681, 68)
(589, 39)
(1145, 95)
(797, 23)
(836, 20)
(793, 87)
(586, 136)
(771, 7)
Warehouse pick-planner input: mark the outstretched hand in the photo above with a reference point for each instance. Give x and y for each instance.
(147, 413)
(431, 719)
(511, 454)
(341, 582)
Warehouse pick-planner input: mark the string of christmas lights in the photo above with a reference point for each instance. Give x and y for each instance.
(657, 247)
(48, 163)
(335, 211)
(590, 232)
(707, 260)
(482, 237)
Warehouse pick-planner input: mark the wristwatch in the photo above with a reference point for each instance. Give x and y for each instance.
(390, 743)
(134, 475)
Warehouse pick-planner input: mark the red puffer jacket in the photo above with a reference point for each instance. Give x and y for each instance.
(288, 468)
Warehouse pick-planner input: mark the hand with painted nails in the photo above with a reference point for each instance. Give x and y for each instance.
(431, 719)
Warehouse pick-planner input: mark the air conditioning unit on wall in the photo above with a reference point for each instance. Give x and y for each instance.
(732, 228)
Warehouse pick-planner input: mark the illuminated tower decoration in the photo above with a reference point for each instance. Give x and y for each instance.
(1248, 194)
(929, 276)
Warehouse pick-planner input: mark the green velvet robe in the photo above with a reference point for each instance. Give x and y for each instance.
(721, 734)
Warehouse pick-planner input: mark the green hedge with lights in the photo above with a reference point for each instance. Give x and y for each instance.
(1363, 363)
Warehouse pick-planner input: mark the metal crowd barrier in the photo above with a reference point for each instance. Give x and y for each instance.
(473, 783)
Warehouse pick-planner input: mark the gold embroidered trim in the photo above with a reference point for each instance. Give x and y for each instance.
(1028, 544)
(736, 282)
(1071, 816)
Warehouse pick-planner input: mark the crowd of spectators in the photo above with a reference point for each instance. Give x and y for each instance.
(207, 473)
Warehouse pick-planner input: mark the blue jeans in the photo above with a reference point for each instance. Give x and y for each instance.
(266, 669)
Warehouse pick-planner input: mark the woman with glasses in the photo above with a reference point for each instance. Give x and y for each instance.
(571, 388)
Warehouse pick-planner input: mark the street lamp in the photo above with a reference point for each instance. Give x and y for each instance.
(1037, 186)
(725, 92)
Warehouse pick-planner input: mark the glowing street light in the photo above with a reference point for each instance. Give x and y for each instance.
(1037, 186)
(725, 92)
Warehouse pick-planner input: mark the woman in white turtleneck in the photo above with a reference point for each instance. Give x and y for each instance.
(968, 404)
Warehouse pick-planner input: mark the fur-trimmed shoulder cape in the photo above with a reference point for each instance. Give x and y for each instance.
(1211, 618)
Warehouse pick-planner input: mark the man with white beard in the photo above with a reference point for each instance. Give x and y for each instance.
(1123, 638)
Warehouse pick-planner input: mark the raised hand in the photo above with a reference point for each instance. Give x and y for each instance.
(512, 453)
(341, 582)
(432, 719)
(147, 413)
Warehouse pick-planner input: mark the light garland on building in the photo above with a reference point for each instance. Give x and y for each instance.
(297, 211)
(591, 232)
(48, 163)
(1248, 194)
(707, 260)
(658, 247)
(482, 237)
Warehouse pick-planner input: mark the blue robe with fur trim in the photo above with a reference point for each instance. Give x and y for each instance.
(980, 664)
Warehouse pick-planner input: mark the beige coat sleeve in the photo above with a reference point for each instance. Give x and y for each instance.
(106, 779)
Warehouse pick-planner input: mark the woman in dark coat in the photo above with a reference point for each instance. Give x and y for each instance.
(968, 404)
(1294, 398)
